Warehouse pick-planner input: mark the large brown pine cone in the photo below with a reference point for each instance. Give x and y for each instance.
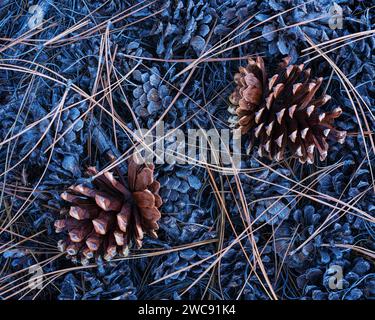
(282, 113)
(106, 218)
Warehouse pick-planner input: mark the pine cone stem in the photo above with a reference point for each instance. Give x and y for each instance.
(104, 144)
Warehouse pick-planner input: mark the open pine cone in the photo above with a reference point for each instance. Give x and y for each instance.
(282, 113)
(106, 218)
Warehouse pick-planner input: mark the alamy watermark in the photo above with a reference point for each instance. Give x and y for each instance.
(36, 278)
(37, 15)
(335, 20)
(336, 276)
(199, 146)
(219, 148)
(336, 17)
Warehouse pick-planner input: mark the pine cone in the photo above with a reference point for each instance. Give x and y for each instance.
(106, 218)
(282, 112)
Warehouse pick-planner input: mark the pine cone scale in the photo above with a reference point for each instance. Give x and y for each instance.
(108, 202)
(82, 212)
(93, 241)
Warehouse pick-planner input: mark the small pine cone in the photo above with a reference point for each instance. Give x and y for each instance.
(106, 218)
(282, 113)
